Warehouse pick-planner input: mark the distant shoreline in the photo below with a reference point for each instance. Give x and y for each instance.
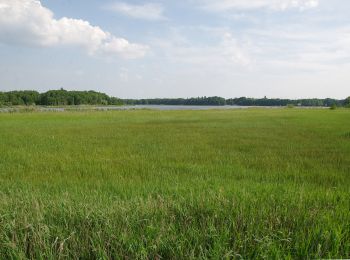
(11, 109)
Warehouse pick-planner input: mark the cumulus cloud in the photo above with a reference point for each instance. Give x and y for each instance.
(149, 11)
(277, 5)
(27, 22)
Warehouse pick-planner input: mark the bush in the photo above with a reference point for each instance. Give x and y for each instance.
(333, 107)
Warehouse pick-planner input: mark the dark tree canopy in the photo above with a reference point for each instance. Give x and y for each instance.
(19, 98)
(347, 102)
(57, 98)
(209, 101)
(242, 101)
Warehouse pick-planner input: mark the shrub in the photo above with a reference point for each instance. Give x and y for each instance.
(333, 107)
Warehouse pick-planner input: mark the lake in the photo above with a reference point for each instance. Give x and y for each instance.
(151, 107)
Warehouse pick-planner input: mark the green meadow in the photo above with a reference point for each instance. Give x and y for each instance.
(143, 184)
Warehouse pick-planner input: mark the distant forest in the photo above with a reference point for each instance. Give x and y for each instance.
(57, 98)
(63, 97)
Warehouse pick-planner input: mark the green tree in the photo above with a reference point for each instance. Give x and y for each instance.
(2, 98)
(347, 102)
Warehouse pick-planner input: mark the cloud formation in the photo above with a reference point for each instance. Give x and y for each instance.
(328, 49)
(27, 22)
(276, 5)
(225, 52)
(149, 11)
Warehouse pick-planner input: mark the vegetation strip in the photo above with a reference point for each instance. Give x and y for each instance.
(63, 97)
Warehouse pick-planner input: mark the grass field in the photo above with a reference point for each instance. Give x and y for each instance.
(255, 183)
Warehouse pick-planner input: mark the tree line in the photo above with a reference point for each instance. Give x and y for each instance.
(198, 101)
(63, 97)
(57, 98)
(311, 102)
(242, 101)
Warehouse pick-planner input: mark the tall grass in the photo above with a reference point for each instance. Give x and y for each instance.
(256, 183)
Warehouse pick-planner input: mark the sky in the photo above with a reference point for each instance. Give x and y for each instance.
(184, 48)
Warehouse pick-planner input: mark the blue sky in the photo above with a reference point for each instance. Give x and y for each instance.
(185, 48)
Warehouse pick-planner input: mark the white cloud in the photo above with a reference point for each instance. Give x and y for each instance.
(149, 11)
(299, 48)
(27, 22)
(227, 51)
(277, 50)
(277, 5)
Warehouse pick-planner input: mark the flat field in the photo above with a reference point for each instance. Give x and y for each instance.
(254, 183)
